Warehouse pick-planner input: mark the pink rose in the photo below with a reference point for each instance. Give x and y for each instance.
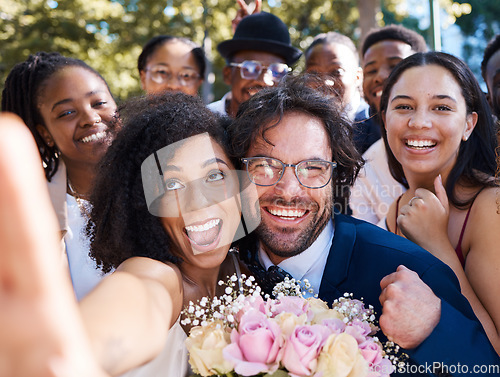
(290, 304)
(359, 330)
(255, 346)
(372, 353)
(251, 302)
(334, 324)
(382, 369)
(302, 348)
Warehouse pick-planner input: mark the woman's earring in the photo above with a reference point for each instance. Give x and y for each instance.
(49, 142)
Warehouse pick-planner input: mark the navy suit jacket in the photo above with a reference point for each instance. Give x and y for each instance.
(362, 254)
(366, 129)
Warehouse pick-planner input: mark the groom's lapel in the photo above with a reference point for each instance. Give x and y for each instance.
(337, 264)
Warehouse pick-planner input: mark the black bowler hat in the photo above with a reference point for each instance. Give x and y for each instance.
(261, 32)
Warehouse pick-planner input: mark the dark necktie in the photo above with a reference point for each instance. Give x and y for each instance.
(267, 280)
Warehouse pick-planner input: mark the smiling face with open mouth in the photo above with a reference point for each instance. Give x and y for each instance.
(77, 109)
(292, 215)
(426, 121)
(200, 205)
(242, 89)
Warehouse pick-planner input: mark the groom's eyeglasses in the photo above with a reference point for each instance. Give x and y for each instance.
(267, 171)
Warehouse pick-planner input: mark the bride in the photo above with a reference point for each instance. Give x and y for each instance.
(165, 211)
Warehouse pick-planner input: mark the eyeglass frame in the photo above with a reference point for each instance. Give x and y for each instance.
(262, 67)
(171, 76)
(245, 160)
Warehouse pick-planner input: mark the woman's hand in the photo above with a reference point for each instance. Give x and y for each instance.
(424, 220)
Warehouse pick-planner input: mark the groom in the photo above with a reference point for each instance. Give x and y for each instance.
(296, 148)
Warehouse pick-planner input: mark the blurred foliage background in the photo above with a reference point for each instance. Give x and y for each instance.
(109, 34)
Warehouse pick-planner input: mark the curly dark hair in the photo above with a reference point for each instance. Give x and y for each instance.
(476, 160)
(265, 110)
(24, 87)
(156, 42)
(396, 32)
(120, 224)
(492, 47)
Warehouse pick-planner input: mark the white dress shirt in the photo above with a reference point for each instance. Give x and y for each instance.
(309, 264)
(375, 189)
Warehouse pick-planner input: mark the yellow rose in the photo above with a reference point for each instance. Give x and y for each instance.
(317, 305)
(289, 321)
(326, 314)
(340, 357)
(205, 345)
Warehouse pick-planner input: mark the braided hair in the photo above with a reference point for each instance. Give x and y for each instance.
(24, 87)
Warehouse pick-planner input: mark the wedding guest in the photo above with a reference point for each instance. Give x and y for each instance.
(171, 63)
(166, 211)
(42, 334)
(259, 55)
(335, 57)
(375, 189)
(490, 69)
(441, 143)
(69, 109)
(417, 296)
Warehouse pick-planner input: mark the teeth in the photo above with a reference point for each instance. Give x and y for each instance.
(287, 214)
(93, 137)
(202, 228)
(420, 143)
(378, 93)
(253, 91)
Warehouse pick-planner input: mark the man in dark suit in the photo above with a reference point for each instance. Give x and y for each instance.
(296, 148)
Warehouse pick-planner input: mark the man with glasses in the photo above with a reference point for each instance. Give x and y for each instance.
(292, 141)
(259, 55)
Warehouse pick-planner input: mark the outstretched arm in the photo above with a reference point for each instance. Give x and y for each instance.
(121, 324)
(129, 313)
(42, 332)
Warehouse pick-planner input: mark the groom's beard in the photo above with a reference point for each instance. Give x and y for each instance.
(288, 241)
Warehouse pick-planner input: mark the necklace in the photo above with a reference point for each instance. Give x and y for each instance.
(83, 204)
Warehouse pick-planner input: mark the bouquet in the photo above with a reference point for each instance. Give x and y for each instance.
(244, 334)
